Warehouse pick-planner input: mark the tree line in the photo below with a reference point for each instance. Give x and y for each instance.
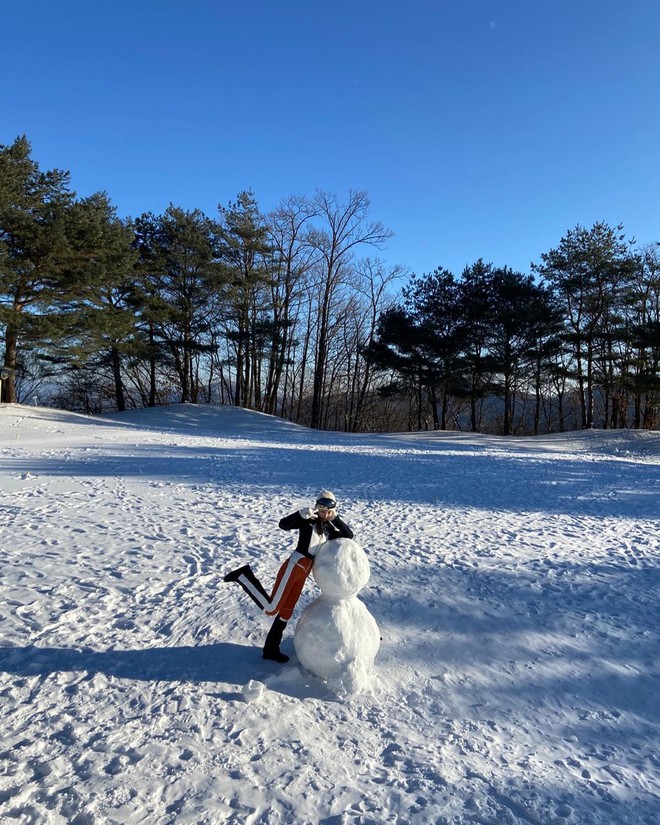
(576, 347)
(293, 313)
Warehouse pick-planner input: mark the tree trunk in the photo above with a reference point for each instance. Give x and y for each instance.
(152, 367)
(119, 384)
(11, 345)
(319, 368)
(507, 406)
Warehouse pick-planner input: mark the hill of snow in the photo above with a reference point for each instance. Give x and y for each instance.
(515, 583)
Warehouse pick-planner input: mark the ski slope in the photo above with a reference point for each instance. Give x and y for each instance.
(515, 583)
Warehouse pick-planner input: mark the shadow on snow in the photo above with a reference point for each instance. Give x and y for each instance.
(473, 477)
(226, 663)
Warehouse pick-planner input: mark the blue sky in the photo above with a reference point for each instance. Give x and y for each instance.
(479, 128)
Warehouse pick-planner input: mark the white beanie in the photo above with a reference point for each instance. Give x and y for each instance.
(326, 494)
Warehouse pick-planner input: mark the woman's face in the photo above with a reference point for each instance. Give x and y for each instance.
(324, 513)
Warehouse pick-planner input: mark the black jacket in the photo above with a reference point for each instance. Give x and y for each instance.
(336, 529)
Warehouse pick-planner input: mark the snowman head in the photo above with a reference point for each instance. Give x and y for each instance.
(341, 569)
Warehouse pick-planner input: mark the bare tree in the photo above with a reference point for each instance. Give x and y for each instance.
(291, 261)
(344, 227)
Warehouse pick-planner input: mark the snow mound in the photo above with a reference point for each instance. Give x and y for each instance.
(253, 691)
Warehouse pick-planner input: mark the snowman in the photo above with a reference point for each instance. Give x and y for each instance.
(336, 637)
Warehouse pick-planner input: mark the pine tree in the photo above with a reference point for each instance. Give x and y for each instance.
(34, 251)
(180, 288)
(245, 249)
(97, 325)
(521, 320)
(587, 272)
(435, 302)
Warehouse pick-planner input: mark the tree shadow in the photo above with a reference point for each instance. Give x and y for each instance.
(224, 664)
(472, 477)
(586, 636)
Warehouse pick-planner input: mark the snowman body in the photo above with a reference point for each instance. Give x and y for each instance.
(336, 637)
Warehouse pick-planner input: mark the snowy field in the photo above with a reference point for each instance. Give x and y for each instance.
(515, 584)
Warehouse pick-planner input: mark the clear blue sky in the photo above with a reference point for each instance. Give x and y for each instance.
(479, 128)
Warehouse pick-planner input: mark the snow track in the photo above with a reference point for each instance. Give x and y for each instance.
(515, 583)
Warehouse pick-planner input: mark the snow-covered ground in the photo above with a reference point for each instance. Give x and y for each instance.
(515, 584)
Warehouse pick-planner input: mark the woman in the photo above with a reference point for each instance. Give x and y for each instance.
(315, 525)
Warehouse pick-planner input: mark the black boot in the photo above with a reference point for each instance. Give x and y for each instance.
(251, 584)
(233, 576)
(273, 640)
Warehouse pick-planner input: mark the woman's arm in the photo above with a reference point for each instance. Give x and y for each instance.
(293, 522)
(343, 528)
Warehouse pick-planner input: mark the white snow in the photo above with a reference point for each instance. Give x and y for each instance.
(515, 584)
(253, 691)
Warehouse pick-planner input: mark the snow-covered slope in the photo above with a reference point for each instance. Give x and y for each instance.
(515, 583)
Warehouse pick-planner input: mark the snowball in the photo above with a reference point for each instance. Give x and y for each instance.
(253, 691)
(341, 569)
(338, 642)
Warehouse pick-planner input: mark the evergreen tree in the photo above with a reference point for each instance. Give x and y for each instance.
(476, 289)
(587, 271)
(404, 346)
(521, 322)
(97, 326)
(435, 302)
(34, 251)
(644, 329)
(245, 249)
(180, 291)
